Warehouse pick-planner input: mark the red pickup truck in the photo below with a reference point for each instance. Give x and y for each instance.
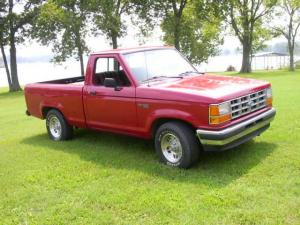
(155, 93)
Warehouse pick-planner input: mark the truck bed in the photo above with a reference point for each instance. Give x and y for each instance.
(64, 94)
(72, 80)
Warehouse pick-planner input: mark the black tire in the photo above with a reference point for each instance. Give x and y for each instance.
(66, 131)
(188, 142)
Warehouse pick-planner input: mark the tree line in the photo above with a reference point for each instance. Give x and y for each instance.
(195, 27)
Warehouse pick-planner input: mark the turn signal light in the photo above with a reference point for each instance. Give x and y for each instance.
(220, 119)
(270, 102)
(214, 110)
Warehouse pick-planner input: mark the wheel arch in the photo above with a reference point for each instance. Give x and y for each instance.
(160, 121)
(46, 109)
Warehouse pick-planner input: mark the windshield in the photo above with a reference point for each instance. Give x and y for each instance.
(166, 63)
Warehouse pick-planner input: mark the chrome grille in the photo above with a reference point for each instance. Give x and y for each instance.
(247, 104)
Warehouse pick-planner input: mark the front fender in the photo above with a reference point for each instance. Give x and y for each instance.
(171, 114)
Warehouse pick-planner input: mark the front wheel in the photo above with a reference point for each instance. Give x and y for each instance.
(57, 127)
(176, 144)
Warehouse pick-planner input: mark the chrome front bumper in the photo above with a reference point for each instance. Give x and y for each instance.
(237, 134)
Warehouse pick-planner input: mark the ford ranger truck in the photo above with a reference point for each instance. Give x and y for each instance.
(155, 93)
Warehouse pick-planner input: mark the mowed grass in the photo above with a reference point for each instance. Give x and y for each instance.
(101, 178)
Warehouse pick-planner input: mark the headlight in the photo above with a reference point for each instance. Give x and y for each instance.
(269, 99)
(224, 108)
(220, 113)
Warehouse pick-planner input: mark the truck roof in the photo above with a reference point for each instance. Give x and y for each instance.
(131, 50)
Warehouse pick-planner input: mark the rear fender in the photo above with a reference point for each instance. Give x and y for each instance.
(52, 105)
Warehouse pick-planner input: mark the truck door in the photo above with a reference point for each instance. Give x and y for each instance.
(109, 107)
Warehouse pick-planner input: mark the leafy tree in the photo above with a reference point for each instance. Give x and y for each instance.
(173, 20)
(145, 16)
(193, 27)
(64, 24)
(245, 17)
(287, 24)
(108, 18)
(13, 30)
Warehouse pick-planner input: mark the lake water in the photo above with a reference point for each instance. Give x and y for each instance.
(37, 72)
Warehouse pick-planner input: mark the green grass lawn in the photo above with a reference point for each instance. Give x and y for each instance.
(101, 178)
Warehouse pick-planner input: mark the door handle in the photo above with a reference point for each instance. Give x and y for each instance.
(118, 88)
(93, 93)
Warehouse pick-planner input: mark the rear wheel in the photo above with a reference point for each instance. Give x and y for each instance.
(57, 127)
(176, 144)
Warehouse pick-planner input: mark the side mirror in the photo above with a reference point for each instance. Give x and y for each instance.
(110, 82)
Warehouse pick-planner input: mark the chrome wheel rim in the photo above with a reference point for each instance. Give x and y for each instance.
(171, 147)
(55, 127)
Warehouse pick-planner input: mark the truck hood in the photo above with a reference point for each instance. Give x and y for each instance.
(220, 88)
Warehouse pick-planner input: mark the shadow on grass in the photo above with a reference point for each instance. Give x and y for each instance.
(120, 152)
(8, 94)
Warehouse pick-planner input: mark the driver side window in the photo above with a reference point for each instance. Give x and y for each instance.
(109, 67)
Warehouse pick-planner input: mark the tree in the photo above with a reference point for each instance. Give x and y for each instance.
(5, 61)
(288, 23)
(64, 24)
(108, 18)
(3, 42)
(173, 20)
(13, 31)
(245, 18)
(193, 27)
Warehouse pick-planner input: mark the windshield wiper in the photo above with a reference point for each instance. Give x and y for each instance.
(157, 77)
(187, 73)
